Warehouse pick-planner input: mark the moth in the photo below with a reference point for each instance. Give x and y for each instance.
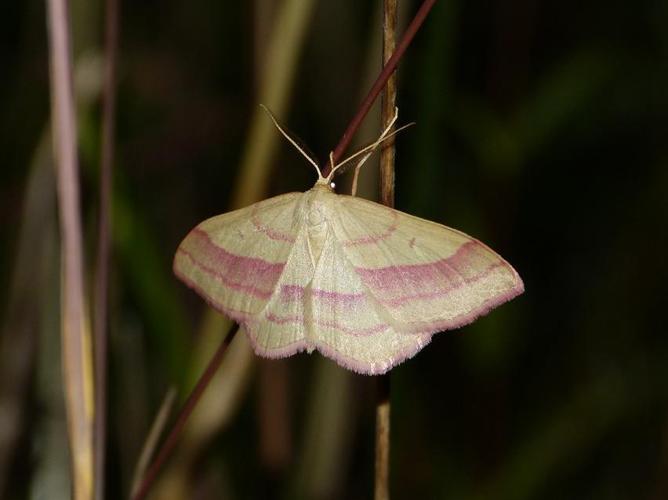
(365, 285)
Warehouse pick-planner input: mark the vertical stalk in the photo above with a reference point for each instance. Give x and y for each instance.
(382, 465)
(387, 155)
(388, 103)
(102, 263)
(75, 334)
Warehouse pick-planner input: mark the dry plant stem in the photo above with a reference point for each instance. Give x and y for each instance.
(76, 355)
(387, 155)
(382, 467)
(388, 104)
(186, 411)
(380, 82)
(102, 263)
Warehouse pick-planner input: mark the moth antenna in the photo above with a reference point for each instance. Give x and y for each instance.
(373, 145)
(356, 174)
(370, 149)
(292, 141)
(353, 190)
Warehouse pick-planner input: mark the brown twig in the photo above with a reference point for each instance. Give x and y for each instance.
(388, 104)
(387, 155)
(186, 411)
(76, 356)
(102, 263)
(380, 82)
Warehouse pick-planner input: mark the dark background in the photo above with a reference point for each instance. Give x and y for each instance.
(542, 129)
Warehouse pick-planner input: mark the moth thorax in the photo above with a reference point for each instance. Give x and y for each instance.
(316, 229)
(315, 216)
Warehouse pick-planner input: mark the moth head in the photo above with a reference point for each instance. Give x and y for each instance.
(324, 182)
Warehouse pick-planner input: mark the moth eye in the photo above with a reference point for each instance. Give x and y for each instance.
(332, 185)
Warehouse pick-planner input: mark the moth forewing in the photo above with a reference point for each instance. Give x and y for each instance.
(364, 284)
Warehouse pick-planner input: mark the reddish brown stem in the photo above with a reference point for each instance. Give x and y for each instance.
(189, 406)
(380, 82)
(102, 264)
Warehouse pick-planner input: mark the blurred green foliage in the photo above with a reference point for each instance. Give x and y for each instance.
(542, 129)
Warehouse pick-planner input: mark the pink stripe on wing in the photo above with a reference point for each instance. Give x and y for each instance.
(375, 238)
(270, 233)
(442, 274)
(226, 259)
(293, 293)
(442, 292)
(242, 317)
(358, 332)
(250, 275)
(221, 277)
